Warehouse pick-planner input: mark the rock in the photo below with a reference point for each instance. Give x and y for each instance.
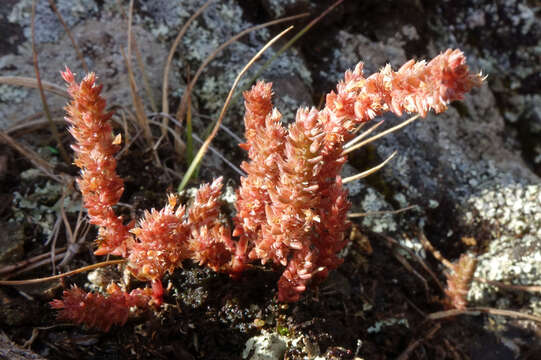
(267, 346)
(12, 351)
(101, 41)
(12, 240)
(514, 255)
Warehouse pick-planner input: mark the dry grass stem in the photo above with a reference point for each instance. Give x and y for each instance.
(383, 212)
(183, 104)
(32, 156)
(207, 142)
(146, 83)
(176, 42)
(33, 83)
(406, 354)
(175, 135)
(63, 275)
(137, 101)
(526, 288)
(21, 264)
(141, 120)
(380, 135)
(421, 262)
(369, 171)
(293, 40)
(46, 110)
(364, 134)
(30, 124)
(475, 311)
(68, 32)
(428, 246)
(37, 264)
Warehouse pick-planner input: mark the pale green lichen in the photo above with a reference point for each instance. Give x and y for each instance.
(48, 27)
(374, 201)
(12, 95)
(41, 206)
(267, 346)
(514, 255)
(376, 328)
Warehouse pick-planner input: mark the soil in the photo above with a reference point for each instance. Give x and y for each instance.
(210, 316)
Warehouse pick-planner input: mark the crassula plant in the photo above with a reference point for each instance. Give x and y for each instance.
(291, 207)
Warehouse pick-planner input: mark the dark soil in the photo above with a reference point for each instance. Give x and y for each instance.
(210, 316)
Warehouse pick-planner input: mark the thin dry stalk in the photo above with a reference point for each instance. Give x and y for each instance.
(427, 245)
(294, 39)
(55, 230)
(63, 275)
(33, 83)
(37, 264)
(526, 288)
(21, 264)
(405, 263)
(480, 309)
(414, 255)
(137, 101)
(52, 126)
(68, 32)
(175, 135)
(142, 121)
(207, 142)
(32, 156)
(380, 135)
(364, 134)
(125, 126)
(73, 248)
(54, 237)
(384, 212)
(369, 171)
(165, 81)
(222, 126)
(146, 83)
(406, 354)
(184, 101)
(30, 123)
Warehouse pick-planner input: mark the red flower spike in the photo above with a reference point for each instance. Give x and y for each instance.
(99, 183)
(98, 311)
(459, 281)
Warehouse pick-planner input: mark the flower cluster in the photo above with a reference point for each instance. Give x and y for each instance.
(165, 238)
(291, 206)
(98, 311)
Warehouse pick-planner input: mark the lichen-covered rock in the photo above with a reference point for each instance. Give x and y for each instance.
(267, 346)
(10, 350)
(514, 255)
(101, 42)
(506, 38)
(47, 27)
(216, 25)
